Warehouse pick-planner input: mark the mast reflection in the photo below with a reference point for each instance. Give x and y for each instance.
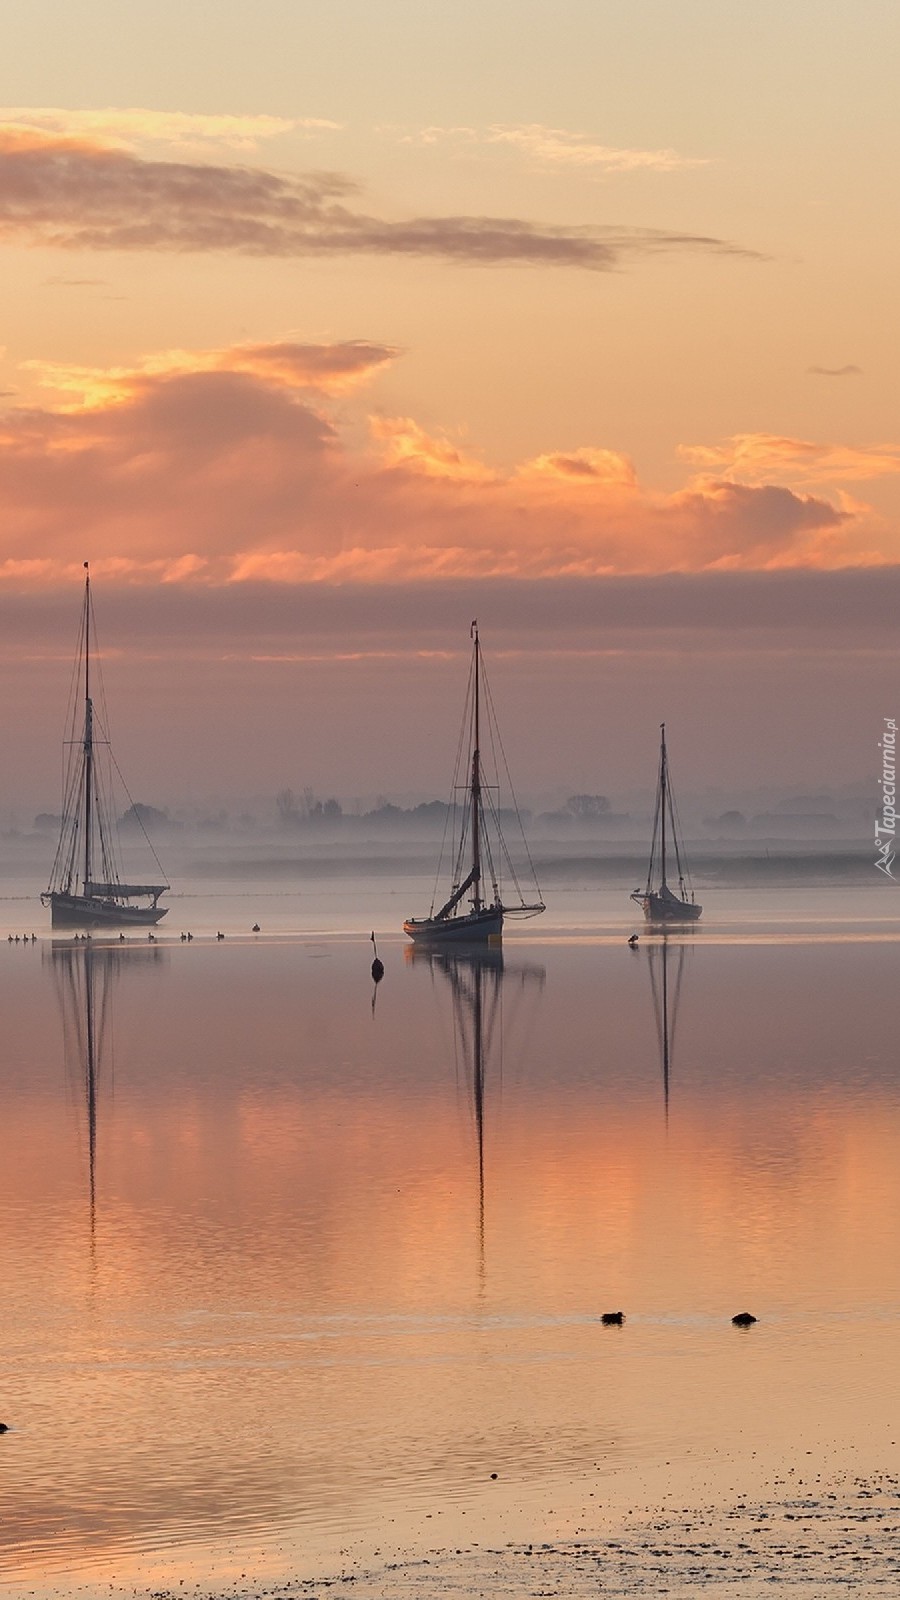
(85, 973)
(481, 981)
(666, 972)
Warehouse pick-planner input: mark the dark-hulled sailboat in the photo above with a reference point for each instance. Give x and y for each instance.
(480, 851)
(658, 900)
(86, 887)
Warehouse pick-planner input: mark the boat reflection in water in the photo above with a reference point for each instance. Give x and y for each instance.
(488, 992)
(85, 974)
(666, 961)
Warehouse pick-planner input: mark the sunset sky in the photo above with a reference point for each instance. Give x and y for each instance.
(330, 324)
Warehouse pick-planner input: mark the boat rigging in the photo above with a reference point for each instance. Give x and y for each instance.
(86, 888)
(480, 852)
(658, 900)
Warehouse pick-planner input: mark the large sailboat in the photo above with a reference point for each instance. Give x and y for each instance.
(658, 900)
(476, 907)
(86, 887)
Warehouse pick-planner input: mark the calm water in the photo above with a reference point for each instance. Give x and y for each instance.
(288, 1275)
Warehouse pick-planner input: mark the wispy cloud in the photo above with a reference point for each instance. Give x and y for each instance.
(558, 147)
(849, 371)
(136, 126)
(323, 368)
(69, 193)
(58, 282)
(755, 456)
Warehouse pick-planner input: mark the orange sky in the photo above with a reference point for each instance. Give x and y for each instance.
(455, 303)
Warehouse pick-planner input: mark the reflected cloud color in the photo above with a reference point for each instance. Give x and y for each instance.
(304, 1216)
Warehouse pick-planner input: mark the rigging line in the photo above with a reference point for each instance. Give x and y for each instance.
(683, 871)
(450, 813)
(135, 813)
(654, 837)
(512, 791)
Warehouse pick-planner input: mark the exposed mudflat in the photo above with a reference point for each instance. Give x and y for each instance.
(844, 1539)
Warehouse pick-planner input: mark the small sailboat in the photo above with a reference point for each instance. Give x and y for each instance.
(86, 887)
(480, 851)
(658, 900)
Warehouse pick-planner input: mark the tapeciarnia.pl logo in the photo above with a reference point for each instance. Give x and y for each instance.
(886, 829)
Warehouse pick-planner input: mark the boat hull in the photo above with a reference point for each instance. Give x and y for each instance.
(668, 908)
(87, 911)
(475, 928)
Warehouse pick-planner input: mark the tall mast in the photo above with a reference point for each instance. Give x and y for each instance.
(663, 798)
(88, 748)
(476, 778)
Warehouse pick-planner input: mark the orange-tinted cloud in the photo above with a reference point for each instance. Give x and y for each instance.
(231, 466)
(558, 147)
(324, 368)
(759, 455)
(137, 125)
(69, 192)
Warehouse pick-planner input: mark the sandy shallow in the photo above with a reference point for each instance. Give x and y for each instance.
(843, 1539)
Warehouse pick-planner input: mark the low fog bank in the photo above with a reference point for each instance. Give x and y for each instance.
(780, 839)
(729, 821)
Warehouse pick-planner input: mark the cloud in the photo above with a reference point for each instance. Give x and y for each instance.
(849, 371)
(59, 282)
(758, 455)
(65, 192)
(323, 368)
(741, 611)
(559, 147)
(586, 467)
(231, 466)
(135, 126)
(407, 445)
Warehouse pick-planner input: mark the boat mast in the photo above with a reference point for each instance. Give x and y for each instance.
(88, 748)
(663, 800)
(476, 778)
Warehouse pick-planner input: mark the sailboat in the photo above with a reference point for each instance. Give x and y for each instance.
(480, 850)
(658, 900)
(86, 888)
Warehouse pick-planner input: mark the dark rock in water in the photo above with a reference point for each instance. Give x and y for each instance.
(493, 1474)
(613, 1319)
(744, 1319)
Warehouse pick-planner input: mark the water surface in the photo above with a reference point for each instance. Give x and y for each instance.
(292, 1268)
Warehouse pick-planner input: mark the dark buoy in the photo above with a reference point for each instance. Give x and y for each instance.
(255, 928)
(613, 1319)
(744, 1319)
(377, 965)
